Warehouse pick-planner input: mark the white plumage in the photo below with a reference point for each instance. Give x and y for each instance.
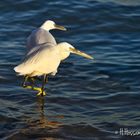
(45, 59)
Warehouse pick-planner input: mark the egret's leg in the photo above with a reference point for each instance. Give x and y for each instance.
(24, 82)
(36, 88)
(43, 85)
(46, 79)
(28, 86)
(42, 92)
(26, 79)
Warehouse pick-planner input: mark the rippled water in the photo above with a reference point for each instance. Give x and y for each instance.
(87, 100)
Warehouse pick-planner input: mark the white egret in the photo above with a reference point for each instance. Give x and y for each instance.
(45, 59)
(42, 35)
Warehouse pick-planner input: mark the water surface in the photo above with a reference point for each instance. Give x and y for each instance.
(87, 100)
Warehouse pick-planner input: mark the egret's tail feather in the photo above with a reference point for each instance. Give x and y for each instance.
(16, 69)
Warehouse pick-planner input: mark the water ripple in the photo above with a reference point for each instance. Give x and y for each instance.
(86, 99)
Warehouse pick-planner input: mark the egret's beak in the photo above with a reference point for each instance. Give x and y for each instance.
(75, 51)
(60, 27)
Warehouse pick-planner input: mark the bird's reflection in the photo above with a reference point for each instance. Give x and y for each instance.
(40, 125)
(44, 120)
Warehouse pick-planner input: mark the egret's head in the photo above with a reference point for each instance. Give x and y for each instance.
(66, 49)
(49, 25)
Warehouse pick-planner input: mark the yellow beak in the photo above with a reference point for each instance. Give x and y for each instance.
(60, 27)
(75, 51)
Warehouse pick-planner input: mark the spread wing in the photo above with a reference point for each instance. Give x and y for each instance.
(38, 37)
(42, 59)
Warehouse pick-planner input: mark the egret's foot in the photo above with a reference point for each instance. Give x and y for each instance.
(37, 88)
(41, 93)
(28, 87)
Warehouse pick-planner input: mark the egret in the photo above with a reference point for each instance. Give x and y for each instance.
(45, 59)
(42, 35)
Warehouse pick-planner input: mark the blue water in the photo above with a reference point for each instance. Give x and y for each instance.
(86, 100)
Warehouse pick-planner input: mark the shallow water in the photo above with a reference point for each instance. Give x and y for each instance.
(87, 100)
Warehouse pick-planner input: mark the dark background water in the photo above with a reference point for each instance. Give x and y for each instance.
(87, 100)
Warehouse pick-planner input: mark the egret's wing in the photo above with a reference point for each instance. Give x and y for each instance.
(39, 37)
(44, 59)
(36, 48)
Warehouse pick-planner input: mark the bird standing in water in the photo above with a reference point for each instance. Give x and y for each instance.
(42, 35)
(38, 37)
(45, 58)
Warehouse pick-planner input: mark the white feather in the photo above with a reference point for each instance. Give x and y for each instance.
(42, 60)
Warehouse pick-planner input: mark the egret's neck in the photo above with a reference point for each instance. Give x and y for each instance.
(63, 52)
